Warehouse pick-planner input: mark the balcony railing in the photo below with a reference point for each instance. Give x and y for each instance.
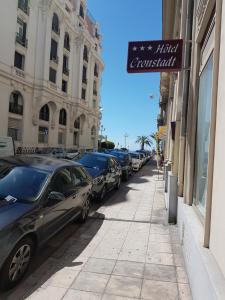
(67, 46)
(56, 30)
(21, 40)
(24, 7)
(66, 71)
(96, 73)
(84, 80)
(160, 120)
(54, 58)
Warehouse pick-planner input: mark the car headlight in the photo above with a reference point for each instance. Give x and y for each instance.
(98, 179)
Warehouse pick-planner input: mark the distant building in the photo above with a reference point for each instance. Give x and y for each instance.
(50, 74)
(193, 109)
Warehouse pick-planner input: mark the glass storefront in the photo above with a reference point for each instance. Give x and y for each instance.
(203, 132)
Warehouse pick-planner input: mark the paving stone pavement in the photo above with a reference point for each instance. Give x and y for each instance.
(126, 250)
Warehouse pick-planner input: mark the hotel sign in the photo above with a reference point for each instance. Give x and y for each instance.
(155, 56)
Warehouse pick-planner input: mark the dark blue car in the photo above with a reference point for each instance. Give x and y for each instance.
(105, 171)
(125, 161)
(38, 196)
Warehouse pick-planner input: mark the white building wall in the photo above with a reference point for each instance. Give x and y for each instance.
(217, 240)
(33, 83)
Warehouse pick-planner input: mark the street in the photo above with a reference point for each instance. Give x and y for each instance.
(125, 250)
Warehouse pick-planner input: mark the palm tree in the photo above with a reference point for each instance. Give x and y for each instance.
(155, 137)
(143, 140)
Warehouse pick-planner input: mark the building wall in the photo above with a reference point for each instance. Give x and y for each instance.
(217, 242)
(201, 231)
(33, 82)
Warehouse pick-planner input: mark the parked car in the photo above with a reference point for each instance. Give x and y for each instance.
(104, 169)
(143, 157)
(136, 160)
(125, 161)
(38, 196)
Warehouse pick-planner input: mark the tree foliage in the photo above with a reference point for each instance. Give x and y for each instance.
(143, 140)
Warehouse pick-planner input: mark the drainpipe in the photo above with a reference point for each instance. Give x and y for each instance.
(185, 94)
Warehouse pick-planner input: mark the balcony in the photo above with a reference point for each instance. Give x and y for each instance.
(21, 40)
(23, 5)
(66, 71)
(67, 46)
(54, 58)
(95, 92)
(96, 73)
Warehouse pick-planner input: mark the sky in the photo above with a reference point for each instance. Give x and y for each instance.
(127, 107)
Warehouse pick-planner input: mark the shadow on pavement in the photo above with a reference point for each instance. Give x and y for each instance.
(64, 250)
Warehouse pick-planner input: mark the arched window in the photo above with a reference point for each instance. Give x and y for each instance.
(85, 54)
(44, 113)
(77, 123)
(96, 70)
(55, 23)
(62, 117)
(67, 41)
(16, 103)
(81, 13)
(93, 131)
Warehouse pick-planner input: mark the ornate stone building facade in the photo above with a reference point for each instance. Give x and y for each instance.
(50, 70)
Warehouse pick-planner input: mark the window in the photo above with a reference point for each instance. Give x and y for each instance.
(53, 52)
(83, 94)
(84, 77)
(78, 176)
(52, 75)
(62, 117)
(19, 61)
(93, 131)
(43, 135)
(203, 131)
(64, 86)
(76, 138)
(85, 54)
(94, 103)
(96, 70)
(67, 41)
(65, 65)
(77, 123)
(44, 113)
(23, 5)
(81, 13)
(63, 183)
(21, 33)
(14, 133)
(95, 88)
(55, 24)
(16, 103)
(61, 138)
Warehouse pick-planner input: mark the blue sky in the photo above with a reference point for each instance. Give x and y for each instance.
(125, 97)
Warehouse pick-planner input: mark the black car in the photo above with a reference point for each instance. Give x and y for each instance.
(38, 196)
(125, 161)
(104, 169)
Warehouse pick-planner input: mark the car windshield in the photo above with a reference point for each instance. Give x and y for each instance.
(20, 182)
(92, 161)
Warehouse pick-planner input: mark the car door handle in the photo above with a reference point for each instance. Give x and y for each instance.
(74, 196)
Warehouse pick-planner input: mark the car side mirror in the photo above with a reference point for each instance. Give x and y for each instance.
(55, 197)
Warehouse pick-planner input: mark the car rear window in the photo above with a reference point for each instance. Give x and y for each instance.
(20, 182)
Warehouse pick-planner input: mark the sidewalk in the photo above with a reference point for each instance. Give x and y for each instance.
(126, 250)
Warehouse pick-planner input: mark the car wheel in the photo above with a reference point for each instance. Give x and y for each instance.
(16, 264)
(117, 186)
(85, 211)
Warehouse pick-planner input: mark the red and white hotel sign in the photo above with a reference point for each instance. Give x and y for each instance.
(155, 56)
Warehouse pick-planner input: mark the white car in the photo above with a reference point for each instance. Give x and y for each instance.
(136, 161)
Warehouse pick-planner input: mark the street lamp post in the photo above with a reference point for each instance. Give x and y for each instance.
(125, 139)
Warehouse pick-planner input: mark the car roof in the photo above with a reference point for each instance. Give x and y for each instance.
(100, 154)
(46, 163)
